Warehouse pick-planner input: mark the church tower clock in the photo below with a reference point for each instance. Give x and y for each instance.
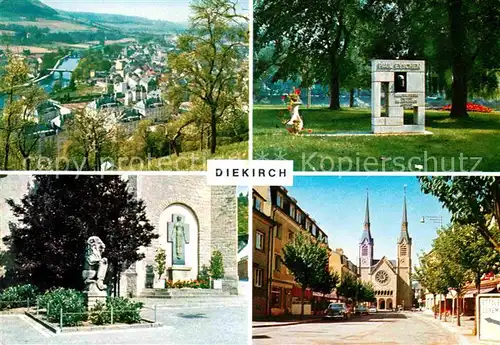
(366, 247)
(405, 293)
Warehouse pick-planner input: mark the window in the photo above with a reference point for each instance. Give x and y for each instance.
(364, 250)
(277, 263)
(275, 297)
(257, 203)
(292, 211)
(308, 224)
(258, 277)
(279, 200)
(298, 217)
(403, 250)
(259, 240)
(290, 236)
(278, 231)
(314, 229)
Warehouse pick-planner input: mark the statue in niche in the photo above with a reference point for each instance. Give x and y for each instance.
(178, 235)
(95, 266)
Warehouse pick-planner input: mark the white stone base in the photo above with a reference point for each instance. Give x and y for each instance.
(93, 296)
(178, 273)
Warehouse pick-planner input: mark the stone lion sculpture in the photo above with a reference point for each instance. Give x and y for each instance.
(95, 266)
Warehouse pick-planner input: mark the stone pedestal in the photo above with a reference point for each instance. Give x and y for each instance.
(94, 295)
(178, 273)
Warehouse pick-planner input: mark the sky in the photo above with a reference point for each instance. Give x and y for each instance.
(337, 203)
(171, 10)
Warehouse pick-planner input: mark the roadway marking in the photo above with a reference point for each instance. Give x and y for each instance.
(35, 325)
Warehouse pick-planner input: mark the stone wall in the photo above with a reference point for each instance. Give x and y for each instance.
(11, 187)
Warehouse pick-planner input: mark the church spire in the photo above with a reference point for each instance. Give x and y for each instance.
(404, 223)
(366, 231)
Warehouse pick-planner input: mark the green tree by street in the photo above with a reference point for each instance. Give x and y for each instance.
(242, 219)
(307, 261)
(60, 213)
(472, 200)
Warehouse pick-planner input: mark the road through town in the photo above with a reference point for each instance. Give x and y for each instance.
(380, 328)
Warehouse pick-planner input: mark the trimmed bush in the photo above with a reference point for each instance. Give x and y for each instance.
(124, 311)
(71, 301)
(17, 296)
(216, 265)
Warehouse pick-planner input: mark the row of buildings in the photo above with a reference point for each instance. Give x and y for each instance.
(277, 218)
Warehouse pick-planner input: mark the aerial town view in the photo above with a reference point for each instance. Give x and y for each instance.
(117, 91)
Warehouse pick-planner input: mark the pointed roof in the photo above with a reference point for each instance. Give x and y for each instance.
(404, 223)
(366, 231)
(390, 263)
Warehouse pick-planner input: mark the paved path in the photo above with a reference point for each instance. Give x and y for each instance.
(209, 324)
(381, 328)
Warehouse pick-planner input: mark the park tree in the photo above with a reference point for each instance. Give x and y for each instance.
(58, 215)
(209, 62)
(307, 260)
(298, 30)
(471, 200)
(243, 218)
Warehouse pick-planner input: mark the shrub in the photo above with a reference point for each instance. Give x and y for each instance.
(216, 265)
(71, 301)
(17, 296)
(193, 284)
(124, 311)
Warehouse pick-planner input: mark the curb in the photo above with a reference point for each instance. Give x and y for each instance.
(291, 323)
(57, 330)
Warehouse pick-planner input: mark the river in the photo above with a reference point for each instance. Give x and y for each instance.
(48, 83)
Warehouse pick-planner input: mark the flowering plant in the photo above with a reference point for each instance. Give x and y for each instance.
(472, 107)
(292, 97)
(194, 284)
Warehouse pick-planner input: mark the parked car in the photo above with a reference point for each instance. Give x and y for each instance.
(361, 310)
(372, 310)
(336, 311)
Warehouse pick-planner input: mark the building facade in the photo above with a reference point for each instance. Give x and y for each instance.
(391, 279)
(277, 219)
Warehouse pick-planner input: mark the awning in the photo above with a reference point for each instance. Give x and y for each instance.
(472, 293)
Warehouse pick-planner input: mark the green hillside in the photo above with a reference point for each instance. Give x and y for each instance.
(26, 8)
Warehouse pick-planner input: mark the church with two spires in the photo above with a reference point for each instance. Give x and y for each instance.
(391, 279)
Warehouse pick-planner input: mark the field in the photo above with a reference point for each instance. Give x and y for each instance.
(32, 49)
(53, 25)
(455, 145)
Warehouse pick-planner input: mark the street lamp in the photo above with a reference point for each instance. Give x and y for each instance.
(434, 219)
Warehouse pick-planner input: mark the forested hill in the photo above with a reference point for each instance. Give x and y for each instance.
(26, 8)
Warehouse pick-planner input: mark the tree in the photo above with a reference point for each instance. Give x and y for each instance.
(298, 30)
(209, 63)
(307, 261)
(243, 218)
(15, 74)
(93, 130)
(60, 213)
(472, 200)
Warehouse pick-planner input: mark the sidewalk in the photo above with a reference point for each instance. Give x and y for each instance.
(285, 320)
(463, 333)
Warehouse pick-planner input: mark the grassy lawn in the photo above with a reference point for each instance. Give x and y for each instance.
(456, 145)
(192, 160)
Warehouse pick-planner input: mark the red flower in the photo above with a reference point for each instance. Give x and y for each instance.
(289, 107)
(309, 131)
(283, 97)
(297, 92)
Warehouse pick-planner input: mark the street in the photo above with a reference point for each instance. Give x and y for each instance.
(381, 328)
(213, 323)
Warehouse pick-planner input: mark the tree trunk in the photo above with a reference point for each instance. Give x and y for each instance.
(213, 130)
(478, 287)
(201, 135)
(334, 89)
(458, 311)
(309, 100)
(351, 98)
(434, 306)
(459, 63)
(7, 150)
(27, 163)
(440, 308)
(302, 303)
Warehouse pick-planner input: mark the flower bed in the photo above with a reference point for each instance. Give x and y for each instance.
(193, 284)
(472, 107)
